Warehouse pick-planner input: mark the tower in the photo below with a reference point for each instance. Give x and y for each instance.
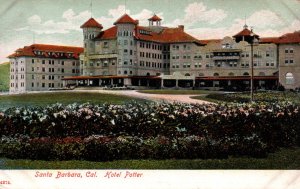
(127, 60)
(154, 21)
(91, 29)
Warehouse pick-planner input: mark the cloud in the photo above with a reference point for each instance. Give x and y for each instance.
(114, 14)
(262, 19)
(69, 23)
(198, 12)
(264, 22)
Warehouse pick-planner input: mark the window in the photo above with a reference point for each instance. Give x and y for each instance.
(62, 63)
(32, 61)
(125, 72)
(62, 70)
(291, 50)
(286, 61)
(32, 69)
(289, 79)
(286, 50)
(291, 61)
(43, 85)
(43, 69)
(105, 44)
(32, 76)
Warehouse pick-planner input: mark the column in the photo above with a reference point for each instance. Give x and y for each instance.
(77, 82)
(100, 82)
(88, 82)
(64, 83)
(176, 83)
(162, 83)
(139, 82)
(148, 83)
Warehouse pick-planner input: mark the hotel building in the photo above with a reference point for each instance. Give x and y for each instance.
(128, 54)
(41, 67)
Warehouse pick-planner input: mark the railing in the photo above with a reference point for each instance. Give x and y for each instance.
(226, 57)
(99, 56)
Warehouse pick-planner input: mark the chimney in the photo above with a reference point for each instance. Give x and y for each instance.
(181, 27)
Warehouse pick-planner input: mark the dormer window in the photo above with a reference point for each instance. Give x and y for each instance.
(144, 32)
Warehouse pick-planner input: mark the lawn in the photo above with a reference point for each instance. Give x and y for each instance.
(177, 92)
(283, 159)
(43, 99)
(268, 96)
(4, 77)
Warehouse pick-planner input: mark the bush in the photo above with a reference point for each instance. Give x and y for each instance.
(157, 131)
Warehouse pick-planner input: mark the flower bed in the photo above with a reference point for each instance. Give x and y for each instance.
(142, 131)
(270, 97)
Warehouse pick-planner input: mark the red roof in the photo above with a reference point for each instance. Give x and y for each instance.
(290, 38)
(244, 32)
(110, 33)
(126, 19)
(154, 18)
(91, 23)
(51, 51)
(268, 40)
(206, 41)
(167, 35)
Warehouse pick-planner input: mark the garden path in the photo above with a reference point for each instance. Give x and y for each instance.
(155, 97)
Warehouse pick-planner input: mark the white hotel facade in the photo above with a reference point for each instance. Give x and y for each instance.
(128, 54)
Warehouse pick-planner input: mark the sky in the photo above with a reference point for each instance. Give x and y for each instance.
(24, 22)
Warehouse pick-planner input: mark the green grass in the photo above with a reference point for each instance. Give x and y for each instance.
(4, 76)
(176, 92)
(283, 159)
(43, 99)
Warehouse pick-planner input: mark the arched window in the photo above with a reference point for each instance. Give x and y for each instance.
(261, 74)
(216, 74)
(187, 74)
(289, 78)
(231, 74)
(148, 74)
(245, 73)
(201, 74)
(125, 72)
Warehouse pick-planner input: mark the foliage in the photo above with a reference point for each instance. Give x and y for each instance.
(4, 76)
(272, 96)
(148, 131)
(46, 98)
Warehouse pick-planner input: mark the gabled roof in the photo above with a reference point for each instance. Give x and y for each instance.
(167, 35)
(91, 23)
(268, 40)
(154, 18)
(206, 41)
(290, 38)
(126, 19)
(245, 32)
(45, 49)
(110, 33)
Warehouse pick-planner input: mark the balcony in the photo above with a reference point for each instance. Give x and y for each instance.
(103, 56)
(226, 57)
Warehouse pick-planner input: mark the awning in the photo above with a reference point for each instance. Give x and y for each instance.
(218, 78)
